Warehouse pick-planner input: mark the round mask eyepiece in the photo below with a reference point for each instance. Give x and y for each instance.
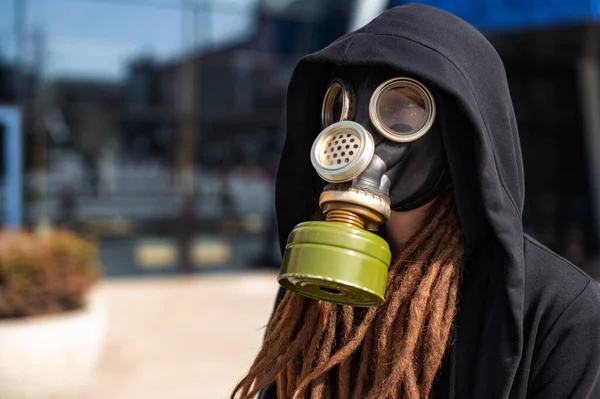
(338, 103)
(402, 109)
(342, 151)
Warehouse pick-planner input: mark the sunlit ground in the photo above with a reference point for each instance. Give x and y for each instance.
(182, 337)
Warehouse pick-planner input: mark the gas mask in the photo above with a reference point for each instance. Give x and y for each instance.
(380, 150)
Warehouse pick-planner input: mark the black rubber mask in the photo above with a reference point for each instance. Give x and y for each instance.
(380, 150)
(412, 166)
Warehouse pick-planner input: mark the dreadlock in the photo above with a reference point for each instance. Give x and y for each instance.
(318, 350)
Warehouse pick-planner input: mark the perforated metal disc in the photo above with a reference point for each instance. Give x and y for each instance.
(342, 151)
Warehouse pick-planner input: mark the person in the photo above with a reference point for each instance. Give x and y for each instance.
(473, 307)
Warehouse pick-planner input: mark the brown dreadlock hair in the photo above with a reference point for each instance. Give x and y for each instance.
(319, 350)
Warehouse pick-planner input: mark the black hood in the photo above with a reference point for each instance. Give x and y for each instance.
(479, 131)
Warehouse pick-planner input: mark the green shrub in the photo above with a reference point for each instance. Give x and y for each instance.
(46, 273)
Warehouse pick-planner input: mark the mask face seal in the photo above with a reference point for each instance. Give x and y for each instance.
(341, 259)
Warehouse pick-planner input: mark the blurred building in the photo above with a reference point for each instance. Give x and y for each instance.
(166, 154)
(155, 125)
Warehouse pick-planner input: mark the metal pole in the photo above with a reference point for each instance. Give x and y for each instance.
(185, 147)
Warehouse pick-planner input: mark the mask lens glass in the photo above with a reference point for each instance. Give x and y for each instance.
(336, 108)
(402, 110)
(337, 104)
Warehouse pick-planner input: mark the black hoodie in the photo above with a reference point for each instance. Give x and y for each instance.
(528, 324)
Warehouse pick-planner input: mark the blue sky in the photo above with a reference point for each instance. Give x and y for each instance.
(96, 38)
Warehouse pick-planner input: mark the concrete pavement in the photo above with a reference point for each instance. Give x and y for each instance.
(182, 337)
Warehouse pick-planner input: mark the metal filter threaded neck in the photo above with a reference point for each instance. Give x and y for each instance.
(346, 217)
(354, 207)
